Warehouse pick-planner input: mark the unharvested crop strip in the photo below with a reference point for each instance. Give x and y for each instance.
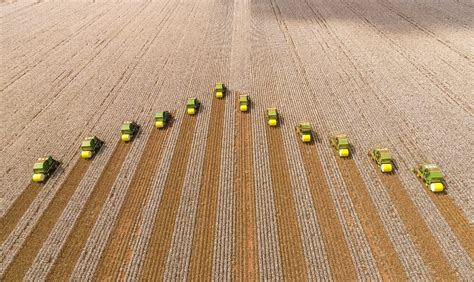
(154, 265)
(291, 245)
(419, 232)
(67, 258)
(118, 247)
(17, 209)
(339, 256)
(200, 267)
(26, 255)
(455, 219)
(245, 264)
(388, 262)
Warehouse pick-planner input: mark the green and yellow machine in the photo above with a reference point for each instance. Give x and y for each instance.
(272, 116)
(304, 131)
(341, 143)
(129, 129)
(431, 175)
(192, 105)
(162, 119)
(90, 146)
(220, 90)
(383, 158)
(44, 168)
(244, 103)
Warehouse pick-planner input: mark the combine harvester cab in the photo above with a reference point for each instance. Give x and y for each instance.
(162, 119)
(383, 158)
(129, 129)
(272, 116)
(192, 106)
(304, 131)
(220, 90)
(431, 175)
(341, 143)
(90, 146)
(244, 103)
(44, 168)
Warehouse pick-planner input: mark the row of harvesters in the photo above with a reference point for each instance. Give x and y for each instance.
(430, 174)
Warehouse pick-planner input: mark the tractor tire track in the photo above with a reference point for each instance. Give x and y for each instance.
(291, 245)
(417, 228)
(118, 246)
(67, 258)
(339, 256)
(245, 264)
(154, 263)
(388, 262)
(28, 251)
(202, 253)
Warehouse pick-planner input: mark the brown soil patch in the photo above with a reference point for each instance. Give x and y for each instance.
(291, 245)
(200, 266)
(245, 261)
(71, 251)
(387, 260)
(17, 209)
(118, 247)
(340, 261)
(25, 257)
(419, 232)
(154, 264)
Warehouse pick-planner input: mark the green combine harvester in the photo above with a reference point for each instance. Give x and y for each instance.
(304, 131)
(192, 105)
(90, 146)
(383, 158)
(129, 129)
(341, 143)
(162, 119)
(244, 103)
(272, 116)
(431, 175)
(220, 90)
(44, 168)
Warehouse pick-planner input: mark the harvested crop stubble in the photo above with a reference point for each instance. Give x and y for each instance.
(340, 261)
(200, 267)
(245, 265)
(26, 255)
(155, 260)
(291, 246)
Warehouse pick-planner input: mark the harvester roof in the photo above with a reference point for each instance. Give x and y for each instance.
(305, 126)
(272, 111)
(243, 98)
(219, 86)
(191, 102)
(159, 115)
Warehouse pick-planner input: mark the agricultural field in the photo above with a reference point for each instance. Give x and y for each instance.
(220, 194)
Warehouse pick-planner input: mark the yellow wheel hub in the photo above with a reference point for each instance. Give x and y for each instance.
(306, 138)
(344, 152)
(386, 167)
(86, 154)
(38, 177)
(272, 122)
(243, 108)
(437, 187)
(191, 111)
(126, 137)
(159, 124)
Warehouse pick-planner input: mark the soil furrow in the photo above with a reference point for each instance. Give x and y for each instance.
(17, 209)
(291, 245)
(154, 264)
(245, 264)
(118, 247)
(25, 257)
(382, 248)
(202, 254)
(455, 218)
(66, 260)
(342, 267)
(419, 232)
